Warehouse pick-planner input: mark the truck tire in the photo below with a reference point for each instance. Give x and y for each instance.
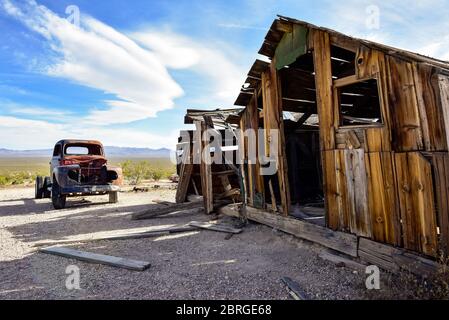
(113, 197)
(39, 188)
(47, 184)
(57, 198)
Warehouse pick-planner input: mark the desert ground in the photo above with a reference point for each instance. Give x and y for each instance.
(198, 264)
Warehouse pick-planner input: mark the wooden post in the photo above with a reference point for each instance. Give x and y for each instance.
(273, 120)
(205, 168)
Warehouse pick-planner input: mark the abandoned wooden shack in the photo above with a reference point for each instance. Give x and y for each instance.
(364, 132)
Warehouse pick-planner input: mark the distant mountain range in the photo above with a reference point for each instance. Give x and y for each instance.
(110, 152)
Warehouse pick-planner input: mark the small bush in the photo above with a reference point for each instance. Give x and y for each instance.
(136, 171)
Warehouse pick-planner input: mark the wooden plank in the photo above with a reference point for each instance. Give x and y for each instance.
(430, 108)
(366, 63)
(155, 212)
(440, 164)
(247, 175)
(407, 134)
(339, 241)
(353, 140)
(416, 199)
(345, 81)
(205, 168)
(274, 207)
(378, 254)
(294, 289)
(395, 259)
(382, 204)
(332, 197)
(323, 84)
(98, 258)
(184, 181)
(273, 120)
(443, 82)
(356, 182)
(215, 227)
(120, 236)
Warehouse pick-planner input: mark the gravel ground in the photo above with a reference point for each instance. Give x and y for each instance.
(193, 265)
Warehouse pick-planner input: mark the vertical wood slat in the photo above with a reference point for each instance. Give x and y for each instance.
(251, 114)
(440, 163)
(243, 152)
(416, 200)
(273, 120)
(331, 195)
(356, 182)
(205, 168)
(430, 108)
(185, 175)
(346, 191)
(385, 220)
(324, 92)
(406, 125)
(443, 82)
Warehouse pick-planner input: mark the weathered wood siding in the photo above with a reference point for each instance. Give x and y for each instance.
(378, 184)
(389, 181)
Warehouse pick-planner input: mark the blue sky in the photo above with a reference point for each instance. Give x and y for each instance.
(128, 71)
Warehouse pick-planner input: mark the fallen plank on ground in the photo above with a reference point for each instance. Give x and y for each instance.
(98, 258)
(215, 227)
(120, 236)
(155, 212)
(294, 289)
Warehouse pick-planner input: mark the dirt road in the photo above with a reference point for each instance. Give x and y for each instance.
(192, 265)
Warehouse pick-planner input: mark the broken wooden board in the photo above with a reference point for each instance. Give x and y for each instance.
(339, 241)
(394, 259)
(98, 258)
(215, 227)
(341, 260)
(121, 236)
(185, 175)
(294, 289)
(151, 213)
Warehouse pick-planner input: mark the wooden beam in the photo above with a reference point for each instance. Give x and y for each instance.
(323, 81)
(273, 120)
(98, 258)
(394, 259)
(294, 289)
(155, 212)
(215, 227)
(205, 168)
(339, 241)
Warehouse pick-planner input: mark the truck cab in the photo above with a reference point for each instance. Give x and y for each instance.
(79, 168)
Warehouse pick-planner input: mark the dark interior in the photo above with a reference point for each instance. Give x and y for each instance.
(359, 103)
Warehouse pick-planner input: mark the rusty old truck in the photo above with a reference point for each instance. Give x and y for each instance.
(79, 168)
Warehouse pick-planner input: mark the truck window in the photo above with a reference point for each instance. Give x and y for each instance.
(57, 150)
(83, 149)
(75, 151)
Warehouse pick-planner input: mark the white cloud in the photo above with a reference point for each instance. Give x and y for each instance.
(97, 56)
(133, 68)
(211, 60)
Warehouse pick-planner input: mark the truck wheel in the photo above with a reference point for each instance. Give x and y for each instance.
(57, 198)
(47, 184)
(39, 188)
(113, 197)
